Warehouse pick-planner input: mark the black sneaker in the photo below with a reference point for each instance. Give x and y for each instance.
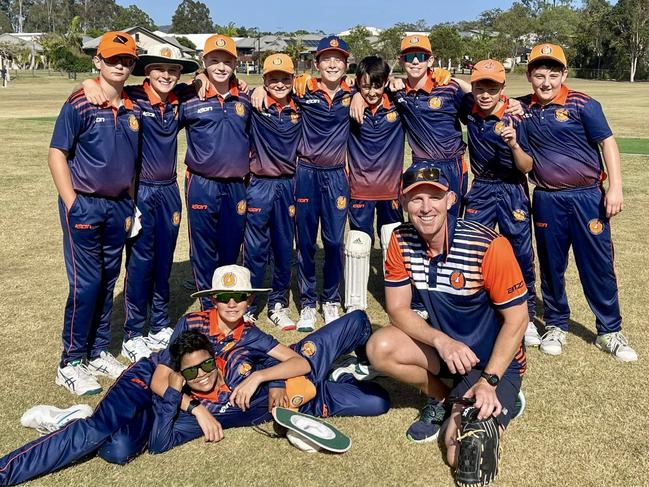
(429, 424)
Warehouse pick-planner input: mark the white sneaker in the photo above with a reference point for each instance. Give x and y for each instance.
(617, 345)
(330, 312)
(358, 370)
(46, 419)
(77, 379)
(160, 340)
(279, 317)
(106, 365)
(553, 340)
(532, 337)
(307, 320)
(135, 349)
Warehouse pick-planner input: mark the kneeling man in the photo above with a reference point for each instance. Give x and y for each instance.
(471, 285)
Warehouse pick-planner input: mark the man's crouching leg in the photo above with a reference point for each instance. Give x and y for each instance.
(394, 353)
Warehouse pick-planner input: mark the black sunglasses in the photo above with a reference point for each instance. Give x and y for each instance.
(126, 61)
(411, 56)
(430, 174)
(190, 373)
(226, 297)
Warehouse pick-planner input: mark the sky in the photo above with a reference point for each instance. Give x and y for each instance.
(331, 16)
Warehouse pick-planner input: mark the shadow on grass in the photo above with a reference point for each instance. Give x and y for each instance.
(179, 303)
(579, 330)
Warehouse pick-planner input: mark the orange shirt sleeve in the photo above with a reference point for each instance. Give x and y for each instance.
(396, 273)
(502, 275)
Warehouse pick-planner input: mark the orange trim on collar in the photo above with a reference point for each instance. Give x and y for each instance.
(385, 103)
(153, 96)
(313, 85)
(126, 101)
(213, 395)
(428, 87)
(233, 89)
(215, 329)
(499, 114)
(560, 99)
(271, 102)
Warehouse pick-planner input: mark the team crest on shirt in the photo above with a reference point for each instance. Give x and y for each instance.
(227, 347)
(133, 124)
(435, 103)
(229, 279)
(519, 215)
(561, 115)
(175, 218)
(291, 211)
(346, 101)
(297, 400)
(595, 226)
(244, 368)
(391, 117)
(309, 349)
(241, 207)
(457, 279)
(499, 127)
(239, 109)
(341, 202)
(128, 223)
(294, 117)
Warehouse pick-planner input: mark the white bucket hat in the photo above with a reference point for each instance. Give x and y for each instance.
(230, 278)
(164, 54)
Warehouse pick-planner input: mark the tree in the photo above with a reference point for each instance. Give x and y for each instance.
(593, 34)
(418, 26)
(513, 26)
(5, 23)
(133, 16)
(295, 50)
(389, 44)
(190, 17)
(183, 41)
(557, 25)
(358, 43)
(447, 44)
(631, 22)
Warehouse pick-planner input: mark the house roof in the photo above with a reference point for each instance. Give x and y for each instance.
(92, 44)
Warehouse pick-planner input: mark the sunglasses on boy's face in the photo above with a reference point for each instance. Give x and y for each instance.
(126, 61)
(419, 56)
(190, 373)
(226, 297)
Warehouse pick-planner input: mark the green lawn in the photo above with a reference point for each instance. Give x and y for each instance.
(584, 424)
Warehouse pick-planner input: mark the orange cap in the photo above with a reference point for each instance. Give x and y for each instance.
(219, 42)
(547, 51)
(116, 43)
(488, 69)
(416, 42)
(278, 62)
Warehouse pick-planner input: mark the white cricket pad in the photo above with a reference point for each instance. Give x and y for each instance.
(386, 234)
(357, 269)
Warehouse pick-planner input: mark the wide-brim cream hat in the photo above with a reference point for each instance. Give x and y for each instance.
(230, 278)
(164, 54)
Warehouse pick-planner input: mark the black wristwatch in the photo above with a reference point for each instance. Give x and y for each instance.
(492, 379)
(193, 404)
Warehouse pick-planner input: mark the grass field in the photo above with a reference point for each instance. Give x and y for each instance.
(586, 419)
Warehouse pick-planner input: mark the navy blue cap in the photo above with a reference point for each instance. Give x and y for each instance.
(423, 173)
(332, 43)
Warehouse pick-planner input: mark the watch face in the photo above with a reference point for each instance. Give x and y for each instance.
(492, 379)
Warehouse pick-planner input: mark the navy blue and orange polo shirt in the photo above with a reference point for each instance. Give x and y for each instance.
(375, 152)
(275, 134)
(325, 125)
(462, 288)
(102, 144)
(159, 132)
(431, 118)
(218, 142)
(491, 157)
(563, 138)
